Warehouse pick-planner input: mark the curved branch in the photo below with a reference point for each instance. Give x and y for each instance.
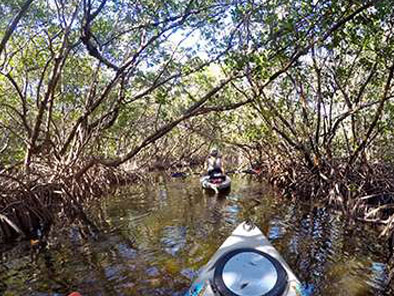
(378, 113)
(11, 28)
(190, 112)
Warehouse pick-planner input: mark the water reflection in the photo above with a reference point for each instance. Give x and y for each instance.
(173, 239)
(154, 242)
(379, 275)
(276, 229)
(231, 213)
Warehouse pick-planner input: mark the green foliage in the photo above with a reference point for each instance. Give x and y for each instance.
(166, 55)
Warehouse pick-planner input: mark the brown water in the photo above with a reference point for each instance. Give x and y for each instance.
(154, 240)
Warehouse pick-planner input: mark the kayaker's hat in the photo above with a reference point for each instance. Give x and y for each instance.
(214, 152)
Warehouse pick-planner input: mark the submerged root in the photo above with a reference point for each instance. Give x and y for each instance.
(29, 207)
(362, 194)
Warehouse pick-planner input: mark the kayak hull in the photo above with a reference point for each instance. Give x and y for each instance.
(244, 236)
(206, 184)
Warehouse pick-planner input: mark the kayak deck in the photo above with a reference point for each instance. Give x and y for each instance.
(249, 237)
(205, 182)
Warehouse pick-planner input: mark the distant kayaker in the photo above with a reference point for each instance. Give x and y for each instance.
(214, 163)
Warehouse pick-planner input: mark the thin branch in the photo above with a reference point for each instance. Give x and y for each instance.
(378, 113)
(11, 28)
(190, 112)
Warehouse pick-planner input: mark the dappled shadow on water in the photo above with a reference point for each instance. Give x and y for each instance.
(153, 241)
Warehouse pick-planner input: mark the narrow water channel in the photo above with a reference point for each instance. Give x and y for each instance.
(155, 239)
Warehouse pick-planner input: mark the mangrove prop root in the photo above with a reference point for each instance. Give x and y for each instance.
(29, 205)
(363, 193)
